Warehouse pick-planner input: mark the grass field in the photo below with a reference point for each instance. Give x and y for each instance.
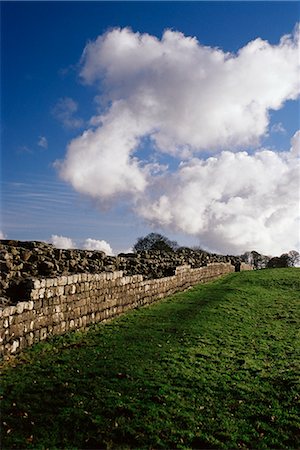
(215, 367)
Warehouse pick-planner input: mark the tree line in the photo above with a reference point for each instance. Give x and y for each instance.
(156, 241)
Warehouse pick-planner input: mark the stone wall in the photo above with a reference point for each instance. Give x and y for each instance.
(22, 260)
(54, 306)
(245, 266)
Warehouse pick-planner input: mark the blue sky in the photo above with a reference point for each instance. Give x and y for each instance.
(46, 103)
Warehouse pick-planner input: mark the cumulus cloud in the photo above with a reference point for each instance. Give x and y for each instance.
(234, 201)
(190, 96)
(42, 142)
(62, 241)
(87, 244)
(65, 110)
(185, 98)
(99, 162)
(94, 244)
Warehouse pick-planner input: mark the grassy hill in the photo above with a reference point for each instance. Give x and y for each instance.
(215, 367)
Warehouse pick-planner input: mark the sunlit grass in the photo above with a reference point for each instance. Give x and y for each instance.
(214, 367)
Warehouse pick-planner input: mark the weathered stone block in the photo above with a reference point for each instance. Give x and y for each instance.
(43, 334)
(73, 289)
(62, 281)
(29, 306)
(56, 329)
(59, 291)
(41, 292)
(36, 284)
(49, 282)
(34, 295)
(8, 311)
(17, 330)
(29, 338)
(23, 343)
(50, 293)
(15, 345)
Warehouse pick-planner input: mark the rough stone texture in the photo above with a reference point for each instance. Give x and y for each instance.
(53, 306)
(245, 266)
(22, 261)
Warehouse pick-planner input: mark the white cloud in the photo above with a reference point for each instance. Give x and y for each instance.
(62, 241)
(65, 110)
(42, 142)
(94, 244)
(187, 98)
(234, 201)
(183, 95)
(87, 244)
(99, 162)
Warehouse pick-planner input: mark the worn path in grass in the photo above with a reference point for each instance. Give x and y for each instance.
(214, 367)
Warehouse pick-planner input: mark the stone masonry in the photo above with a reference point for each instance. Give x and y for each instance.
(57, 305)
(21, 261)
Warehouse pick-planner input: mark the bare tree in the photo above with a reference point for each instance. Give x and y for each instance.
(294, 258)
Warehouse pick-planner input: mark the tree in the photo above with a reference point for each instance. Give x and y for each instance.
(290, 259)
(294, 258)
(279, 262)
(155, 241)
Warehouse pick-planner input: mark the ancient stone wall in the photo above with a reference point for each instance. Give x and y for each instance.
(23, 260)
(56, 305)
(245, 266)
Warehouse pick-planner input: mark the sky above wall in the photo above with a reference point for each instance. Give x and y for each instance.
(123, 118)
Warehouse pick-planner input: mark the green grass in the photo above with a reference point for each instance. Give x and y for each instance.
(214, 367)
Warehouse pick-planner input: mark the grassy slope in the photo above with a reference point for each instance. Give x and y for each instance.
(214, 367)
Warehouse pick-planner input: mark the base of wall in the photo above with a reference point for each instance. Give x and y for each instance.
(58, 305)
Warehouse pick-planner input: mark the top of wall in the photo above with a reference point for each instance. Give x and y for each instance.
(23, 260)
